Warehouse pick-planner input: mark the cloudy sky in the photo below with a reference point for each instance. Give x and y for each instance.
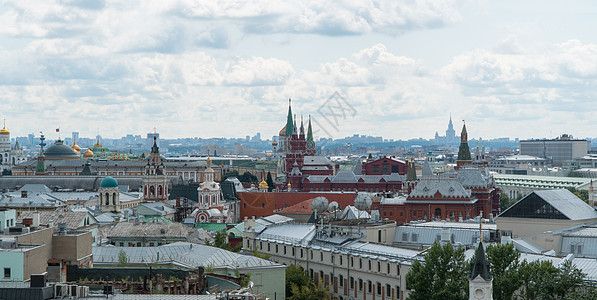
(207, 68)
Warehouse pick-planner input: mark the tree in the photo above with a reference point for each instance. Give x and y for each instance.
(582, 194)
(248, 177)
(270, 182)
(504, 264)
(221, 241)
(441, 276)
(122, 259)
(505, 201)
(310, 292)
(296, 275)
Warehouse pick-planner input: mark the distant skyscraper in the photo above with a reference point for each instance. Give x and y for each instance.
(450, 132)
(449, 138)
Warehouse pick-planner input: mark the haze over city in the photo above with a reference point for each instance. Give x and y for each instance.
(211, 69)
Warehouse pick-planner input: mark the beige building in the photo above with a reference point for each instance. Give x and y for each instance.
(536, 216)
(353, 262)
(42, 250)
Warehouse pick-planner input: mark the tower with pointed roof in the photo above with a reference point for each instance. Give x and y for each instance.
(155, 181)
(310, 143)
(450, 132)
(41, 169)
(464, 153)
(480, 278)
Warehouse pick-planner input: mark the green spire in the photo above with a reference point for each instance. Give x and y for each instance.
(289, 126)
(40, 169)
(464, 152)
(309, 131)
(411, 172)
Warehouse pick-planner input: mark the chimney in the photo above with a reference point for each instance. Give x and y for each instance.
(35, 218)
(23, 194)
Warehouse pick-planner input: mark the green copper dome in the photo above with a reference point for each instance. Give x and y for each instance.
(109, 182)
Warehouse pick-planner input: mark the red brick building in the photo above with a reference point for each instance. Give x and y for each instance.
(384, 166)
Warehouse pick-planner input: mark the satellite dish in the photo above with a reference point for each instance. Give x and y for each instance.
(333, 206)
(319, 204)
(363, 201)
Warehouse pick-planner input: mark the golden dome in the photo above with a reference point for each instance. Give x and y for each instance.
(208, 160)
(283, 131)
(88, 153)
(4, 131)
(263, 185)
(98, 145)
(75, 147)
(274, 143)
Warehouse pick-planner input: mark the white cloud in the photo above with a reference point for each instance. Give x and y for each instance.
(257, 71)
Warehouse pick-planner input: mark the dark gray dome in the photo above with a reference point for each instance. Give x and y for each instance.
(60, 151)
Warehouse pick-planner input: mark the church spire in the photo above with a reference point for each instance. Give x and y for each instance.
(302, 130)
(464, 154)
(480, 267)
(289, 128)
(309, 131)
(294, 126)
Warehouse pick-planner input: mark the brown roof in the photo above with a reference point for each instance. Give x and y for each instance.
(72, 218)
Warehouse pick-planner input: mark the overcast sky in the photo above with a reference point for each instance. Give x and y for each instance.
(206, 68)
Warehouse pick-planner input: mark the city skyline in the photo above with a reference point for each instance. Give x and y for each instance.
(213, 69)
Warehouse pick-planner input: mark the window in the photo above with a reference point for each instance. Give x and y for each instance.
(138, 244)
(260, 245)
(268, 247)
(388, 269)
(340, 259)
(369, 265)
(341, 279)
(397, 269)
(311, 254)
(151, 244)
(379, 288)
(276, 248)
(301, 253)
(293, 251)
(352, 261)
(369, 287)
(311, 273)
(404, 236)
(378, 267)
(352, 283)
(415, 237)
(360, 284)
(321, 256)
(6, 272)
(388, 290)
(284, 250)
(579, 249)
(360, 263)
(333, 258)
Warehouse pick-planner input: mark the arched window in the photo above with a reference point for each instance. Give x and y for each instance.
(438, 213)
(145, 190)
(107, 199)
(159, 190)
(152, 190)
(114, 198)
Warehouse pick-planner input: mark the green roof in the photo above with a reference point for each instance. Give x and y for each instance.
(109, 182)
(214, 226)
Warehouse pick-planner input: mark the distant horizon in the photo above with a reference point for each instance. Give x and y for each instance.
(396, 69)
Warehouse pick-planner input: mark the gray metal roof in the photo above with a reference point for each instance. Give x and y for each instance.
(447, 187)
(138, 229)
(316, 160)
(191, 255)
(345, 177)
(568, 204)
(474, 177)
